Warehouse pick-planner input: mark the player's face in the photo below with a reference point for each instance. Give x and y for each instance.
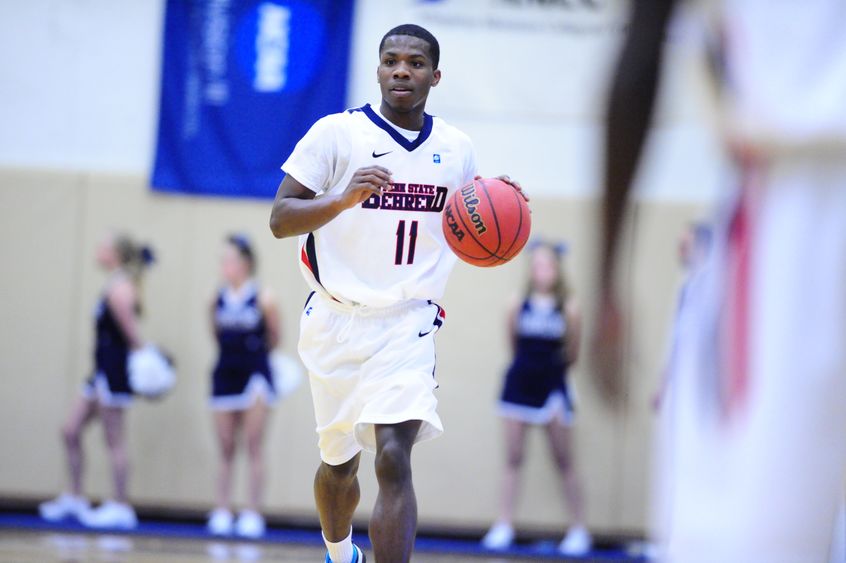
(106, 254)
(233, 267)
(405, 73)
(544, 269)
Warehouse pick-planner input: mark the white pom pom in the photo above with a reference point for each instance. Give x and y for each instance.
(287, 373)
(150, 373)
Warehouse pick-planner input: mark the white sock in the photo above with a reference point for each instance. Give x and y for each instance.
(341, 552)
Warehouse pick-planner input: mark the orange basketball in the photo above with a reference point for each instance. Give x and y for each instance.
(487, 222)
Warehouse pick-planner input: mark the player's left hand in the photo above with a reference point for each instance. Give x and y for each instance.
(513, 183)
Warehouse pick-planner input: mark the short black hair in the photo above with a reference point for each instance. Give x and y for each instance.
(415, 30)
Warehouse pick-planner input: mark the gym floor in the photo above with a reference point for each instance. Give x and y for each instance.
(24, 538)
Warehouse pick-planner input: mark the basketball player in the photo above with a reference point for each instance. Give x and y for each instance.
(545, 330)
(758, 403)
(245, 322)
(107, 393)
(365, 189)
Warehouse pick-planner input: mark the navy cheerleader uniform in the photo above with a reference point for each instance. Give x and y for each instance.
(242, 373)
(110, 382)
(535, 389)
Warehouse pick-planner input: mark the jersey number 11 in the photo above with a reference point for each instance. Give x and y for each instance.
(412, 243)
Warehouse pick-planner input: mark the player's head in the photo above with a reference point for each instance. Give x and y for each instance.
(546, 272)
(238, 261)
(408, 66)
(694, 245)
(119, 250)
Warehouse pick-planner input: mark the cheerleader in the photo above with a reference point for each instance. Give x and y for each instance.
(245, 323)
(545, 329)
(107, 393)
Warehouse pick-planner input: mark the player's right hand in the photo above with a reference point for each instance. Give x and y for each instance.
(367, 181)
(607, 352)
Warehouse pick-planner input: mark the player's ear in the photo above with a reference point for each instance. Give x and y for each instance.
(437, 77)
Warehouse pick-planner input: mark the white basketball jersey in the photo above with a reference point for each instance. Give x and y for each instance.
(785, 71)
(390, 248)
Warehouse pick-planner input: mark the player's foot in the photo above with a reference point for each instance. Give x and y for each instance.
(358, 556)
(577, 541)
(220, 522)
(250, 524)
(64, 506)
(500, 536)
(110, 514)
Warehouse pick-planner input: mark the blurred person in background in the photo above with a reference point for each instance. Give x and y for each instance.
(758, 438)
(245, 322)
(544, 327)
(107, 393)
(692, 251)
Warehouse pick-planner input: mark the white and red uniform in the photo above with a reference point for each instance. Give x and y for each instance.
(754, 449)
(367, 334)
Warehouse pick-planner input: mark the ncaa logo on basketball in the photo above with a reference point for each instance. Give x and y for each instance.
(471, 203)
(453, 224)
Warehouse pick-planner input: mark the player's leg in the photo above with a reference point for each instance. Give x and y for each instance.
(515, 447)
(577, 540)
(83, 411)
(255, 421)
(113, 427)
(72, 503)
(226, 425)
(394, 521)
(560, 442)
(501, 534)
(336, 493)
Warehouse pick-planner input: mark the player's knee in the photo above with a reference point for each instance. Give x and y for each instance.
(344, 472)
(564, 462)
(514, 459)
(70, 434)
(227, 449)
(393, 463)
(254, 448)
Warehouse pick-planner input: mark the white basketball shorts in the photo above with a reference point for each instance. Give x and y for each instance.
(369, 366)
(755, 436)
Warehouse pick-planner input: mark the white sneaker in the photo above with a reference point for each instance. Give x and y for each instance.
(220, 522)
(63, 506)
(110, 514)
(577, 542)
(250, 524)
(499, 537)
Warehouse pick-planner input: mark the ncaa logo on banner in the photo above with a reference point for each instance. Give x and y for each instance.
(278, 45)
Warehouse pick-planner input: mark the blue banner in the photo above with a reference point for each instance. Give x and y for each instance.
(242, 81)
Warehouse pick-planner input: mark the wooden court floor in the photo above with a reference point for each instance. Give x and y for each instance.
(18, 546)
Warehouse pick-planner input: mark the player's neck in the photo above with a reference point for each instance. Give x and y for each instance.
(412, 120)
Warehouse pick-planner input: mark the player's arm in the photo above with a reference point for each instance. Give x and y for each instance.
(513, 313)
(630, 108)
(296, 210)
(573, 338)
(121, 300)
(270, 310)
(213, 316)
(629, 113)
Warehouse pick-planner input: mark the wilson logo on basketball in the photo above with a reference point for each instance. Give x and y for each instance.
(471, 203)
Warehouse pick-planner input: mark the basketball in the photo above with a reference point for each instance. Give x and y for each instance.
(487, 222)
